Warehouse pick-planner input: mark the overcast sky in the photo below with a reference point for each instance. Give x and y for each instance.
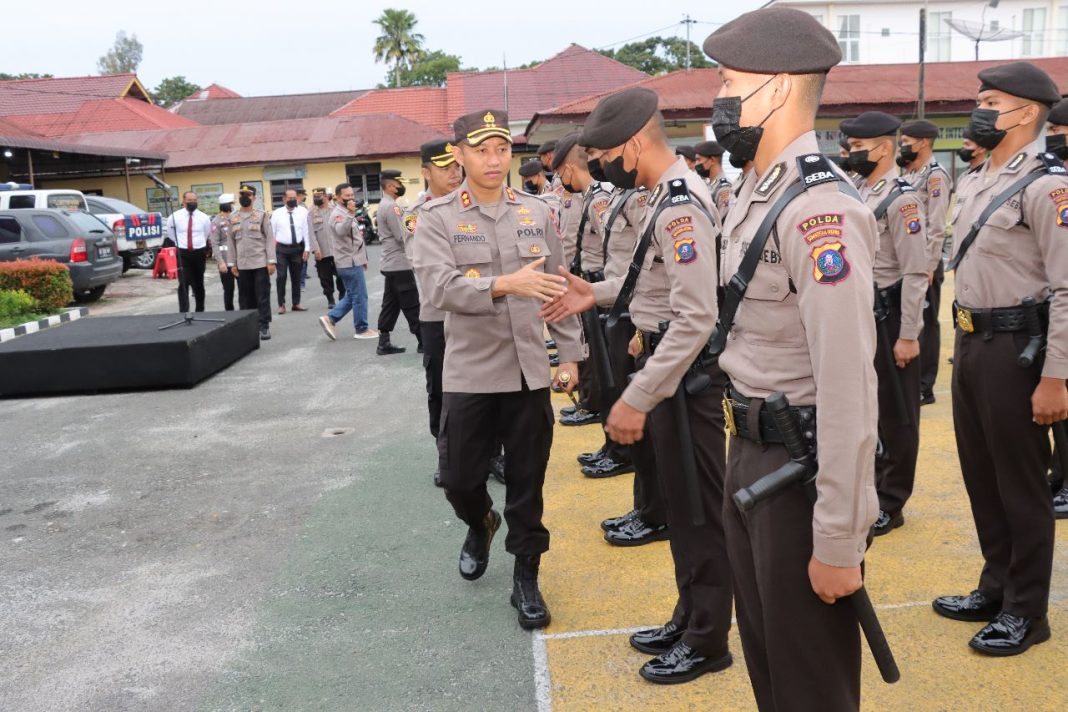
(272, 47)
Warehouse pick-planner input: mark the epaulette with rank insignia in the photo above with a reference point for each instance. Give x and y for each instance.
(678, 192)
(1054, 166)
(465, 198)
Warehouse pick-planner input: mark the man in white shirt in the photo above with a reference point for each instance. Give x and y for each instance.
(290, 227)
(190, 229)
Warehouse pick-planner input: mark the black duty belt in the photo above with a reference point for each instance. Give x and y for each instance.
(990, 321)
(891, 295)
(593, 277)
(760, 427)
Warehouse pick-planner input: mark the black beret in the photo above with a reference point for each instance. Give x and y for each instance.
(477, 126)
(1059, 114)
(531, 168)
(437, 152)
(618, 117)
(774, 40)
(708, 148)
(563, 147)
(390, 174)
(547, 147)
(919, 129)
(686, 151)
(870, 124)
(1021, 79)
(844, 142)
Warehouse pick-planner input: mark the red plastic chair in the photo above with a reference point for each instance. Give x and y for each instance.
(166, 264)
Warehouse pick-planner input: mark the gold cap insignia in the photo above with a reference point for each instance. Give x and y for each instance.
(489, 119)
(535, 249)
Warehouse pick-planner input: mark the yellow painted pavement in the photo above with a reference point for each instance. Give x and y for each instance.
(593, 588)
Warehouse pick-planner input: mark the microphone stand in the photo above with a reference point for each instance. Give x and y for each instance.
(188, 319)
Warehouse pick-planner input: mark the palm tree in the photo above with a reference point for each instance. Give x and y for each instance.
(397, 43)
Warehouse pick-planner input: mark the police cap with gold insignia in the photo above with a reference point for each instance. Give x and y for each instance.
(774, 40)
(390, 174)
(870, 124)
(547, 147)
(531, 168)
(919, 129)
(437, 152)
(563, 147)
(478, 126)
(708, 148)
(246, 188)
(618, 117)
(1058, 115)
(1021, 79)
(686, 152)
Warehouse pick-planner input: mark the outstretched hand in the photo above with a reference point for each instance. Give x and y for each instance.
(577, 298)
(529, 281)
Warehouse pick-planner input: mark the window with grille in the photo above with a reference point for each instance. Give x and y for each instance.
(849, 37)
(366, 181)
(939, 37)
(1034, 28)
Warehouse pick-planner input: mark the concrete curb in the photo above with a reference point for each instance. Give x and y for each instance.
(31, 327)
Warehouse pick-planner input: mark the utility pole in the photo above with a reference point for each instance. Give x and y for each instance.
(923, 46)
(687, 21)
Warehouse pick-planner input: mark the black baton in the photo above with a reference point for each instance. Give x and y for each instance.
(1036, 340)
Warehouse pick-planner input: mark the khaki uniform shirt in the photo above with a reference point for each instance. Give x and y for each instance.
(623, 237)
(219, 238)
(349, 247)
(677, 284)
(492, 345)
(722, 192)
(427, 311)
(933, 185)
(391, 232)
(902, 252)
(805, 328)
(1022, 249)
(592, 257)
(251, 241)
(321, 237)
(570, 215)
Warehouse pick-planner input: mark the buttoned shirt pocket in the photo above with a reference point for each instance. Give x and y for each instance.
(474, 260)
(765, 318)
(532, 248)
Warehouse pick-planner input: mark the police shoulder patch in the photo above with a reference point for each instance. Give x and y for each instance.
(829, 263)
(910, 212)
(1060, 199)
(685, 250)
(409, 222)
(821, 226)
(679, 226)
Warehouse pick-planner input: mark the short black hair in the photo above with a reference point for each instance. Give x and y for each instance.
(188, 192)
(340, 187)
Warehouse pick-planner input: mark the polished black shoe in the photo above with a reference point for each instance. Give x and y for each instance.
(1060, 504)
(580, 417)
(554, 360)
(974, 608)
(617, 522)
(496, 469)
(474, 556)
(437, 478)
(682, 664)
(636, 533)
(606, 467)
(927, 398)
(588, 458)
(568, 410)
(550, 344)
(526, 598)
(388, 349)
(657, 640)
(887, 523)
(1010, 635)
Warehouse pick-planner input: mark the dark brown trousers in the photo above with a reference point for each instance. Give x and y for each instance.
(895, 471)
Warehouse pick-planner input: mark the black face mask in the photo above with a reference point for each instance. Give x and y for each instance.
(291, 203)
(191, 207)
(702, 171)
(738, 162)
(317, 201)
(739, 140)
(619, 177)
(841, 161)
(245, 201)
(984, 130)
(906, 156)
(226, 207)
(530, 187)
(594, 167)
(966, 154)
(1057, 144)
(400, 190)
(859, 163)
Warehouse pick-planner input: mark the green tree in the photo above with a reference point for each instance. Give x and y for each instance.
(398, 44)
(659, 55)
(430, 70)
(4, 76)
(172, 90)
(124, 56)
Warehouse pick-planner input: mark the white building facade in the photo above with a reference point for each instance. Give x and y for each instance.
(888, 31)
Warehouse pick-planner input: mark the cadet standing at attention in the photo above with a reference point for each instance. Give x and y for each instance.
(442, 175)
(400, 292)
(932, 185)
(250, 256)
(1002, 410)
(534, 180)
(1056, 135)
(804, 329)
(677, 390)
(710, 167)
(488, 256)
(900, 286)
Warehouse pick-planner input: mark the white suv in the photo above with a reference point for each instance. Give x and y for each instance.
(139, 234)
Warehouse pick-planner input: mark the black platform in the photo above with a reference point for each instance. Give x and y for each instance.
(125, 353)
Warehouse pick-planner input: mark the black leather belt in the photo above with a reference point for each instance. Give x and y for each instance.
(737, 409)
(988, 321)
(891, 296)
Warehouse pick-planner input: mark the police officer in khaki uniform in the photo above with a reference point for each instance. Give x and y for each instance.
(971, 153)
(710, 167)
(533, 175)
(488, 256)
(687, 152)
(932, 184)
(220, 230)
(901, 284)
(673, 304)
(1057, 144)
(442, 175)
(322, 245)
(1001, 410)
(400, 292)
(251, 257)
(804, 329)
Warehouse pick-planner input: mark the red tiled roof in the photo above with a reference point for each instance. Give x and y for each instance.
(100, 116)
(295, 140)
(14, 136)
(64, 94)
(212, 91)
(424, 105)
(245, 109)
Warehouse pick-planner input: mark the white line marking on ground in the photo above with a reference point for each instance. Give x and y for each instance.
(542, 686)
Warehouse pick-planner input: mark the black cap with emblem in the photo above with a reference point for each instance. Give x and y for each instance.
(531, 168)
(437, 152)
(478, 126)
(563, 147)
(774, 40)
(618, 117)
(390, 174)
(919, 128)
(1058, 115)
(686, 152)
(1021, 79)
(547, 147)
(709, 149)
(870, 124)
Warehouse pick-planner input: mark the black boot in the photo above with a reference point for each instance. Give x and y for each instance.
(533, 613)
(475, 553)
(385, 348)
